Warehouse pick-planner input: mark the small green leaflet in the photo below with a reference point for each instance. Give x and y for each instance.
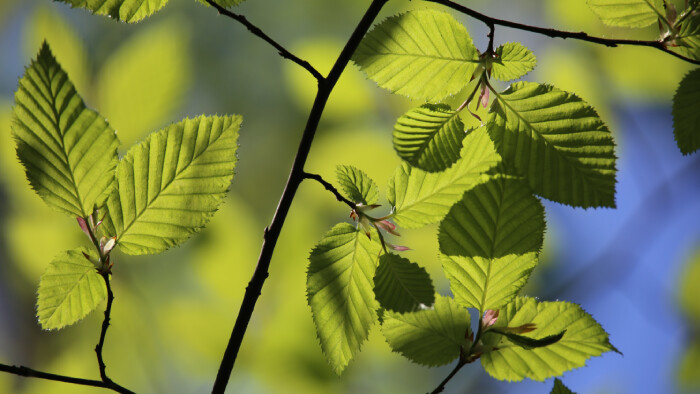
(425, 54)
(70, 288)
(170, 184)
(422, 198)
(69, 152)
(627, 13)
(559, 388)
(584, 338)
(490, 241)
(686, 113)
(339, 288)
(688, 38)
(530, 343)
(402, 286)
(513, 61)
(429, 137)
(357, 185)
(429, 337)
(121, 10)
(557, 141)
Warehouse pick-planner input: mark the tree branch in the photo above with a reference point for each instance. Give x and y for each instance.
(331, 189)
(554, 33)
(257, 32)
(296, 176)
(441, 387)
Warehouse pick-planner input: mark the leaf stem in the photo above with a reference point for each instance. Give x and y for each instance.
(296, 176)
(554, 33)
(441, 387)
(257, 32)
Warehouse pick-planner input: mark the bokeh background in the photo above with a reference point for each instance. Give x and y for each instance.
(635, 268)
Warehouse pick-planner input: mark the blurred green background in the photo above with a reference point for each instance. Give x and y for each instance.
(636, 269)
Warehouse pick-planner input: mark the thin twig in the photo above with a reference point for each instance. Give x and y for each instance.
(331, 189)
(33, 373)
(296, 176)
(440, 388)
(560, 33)
(256, 31)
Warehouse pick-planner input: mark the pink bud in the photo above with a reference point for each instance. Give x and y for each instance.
(489, 318)
(387, 226)
(484, 96)
(398, 248)
(527, 327)
(84, 226)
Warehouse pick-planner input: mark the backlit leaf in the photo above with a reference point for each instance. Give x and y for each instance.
(584, 338)
(68, 151)
(490, 241)
(559, 388)
(513, 61)
(686, 113)
(688, 38)
(429, 137)
(429, 337)
(424, 54)
(358, 186)
(70, 288)
(422, 198)
(340, 291)
(627, 13)
(402, 286)
(121, 10)
(557, 142)
(170, 184)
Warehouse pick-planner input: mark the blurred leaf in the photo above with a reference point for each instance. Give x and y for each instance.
(121, 10)
(513, 61)
(559, 388)
(68, 151)
(142, 84)
(422, 198)
(489, 242)
(689, 369)
(69, 289)
(429, 337)
(424, 54)
(584, 338)
(429, 137)
(358, 186)
(340, 291)
(627, 13)
(557, 141)
(47, 25)
(689, 289)
(686, 113)
(169, 185)
(402, 286)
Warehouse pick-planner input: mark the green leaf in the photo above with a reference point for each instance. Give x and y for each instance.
(358, 186)
(490, 241)
(627, 13)
(686, 113)
(584, 338)
(530, 343)
(402, 286)
(688, 38)
(340, 291)
(422, 198)
(121, 10)
(70, 288)
(429, 137)
(557, 142)
(429, 337)
(559, 388)
(426, 55)
(513, 61)
(68, 151)
(170, 184)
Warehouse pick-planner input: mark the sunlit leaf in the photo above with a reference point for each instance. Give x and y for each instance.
(559, 388)
(422, 198)
(121, 10)
(423, 54)
(686, 113)
(358, 186)
(490, 241)
(627, 13)
(340, 291)
(584, 338)
(429, 337)
(170, 184)
(557, 142)
(513, 61)
(70, 288)
(402, 286)
(69, 151)
(429, 137)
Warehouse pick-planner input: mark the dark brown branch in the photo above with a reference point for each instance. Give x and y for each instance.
(441, 387)
(296, 176)
(330, 188)
(32, 373)
(256, 31)
(489, 21)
